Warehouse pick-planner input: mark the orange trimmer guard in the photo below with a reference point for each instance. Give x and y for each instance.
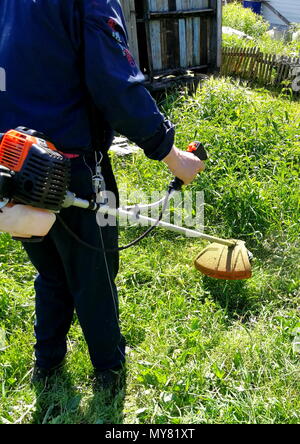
(225, 262)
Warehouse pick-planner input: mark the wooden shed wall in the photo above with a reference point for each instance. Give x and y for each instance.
(166, 35)
(179, 42)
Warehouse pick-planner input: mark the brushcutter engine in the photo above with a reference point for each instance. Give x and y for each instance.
(32, 171)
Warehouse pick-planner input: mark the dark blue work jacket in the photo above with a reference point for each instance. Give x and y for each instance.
(56, 53)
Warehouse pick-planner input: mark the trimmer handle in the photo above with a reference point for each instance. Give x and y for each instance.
(29, 240)
(198, 150)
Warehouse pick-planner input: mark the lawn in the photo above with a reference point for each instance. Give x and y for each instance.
(199, 350)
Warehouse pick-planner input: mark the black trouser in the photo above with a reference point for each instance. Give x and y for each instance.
(72, 276)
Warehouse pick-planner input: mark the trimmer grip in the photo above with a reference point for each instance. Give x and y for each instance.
(199, 151)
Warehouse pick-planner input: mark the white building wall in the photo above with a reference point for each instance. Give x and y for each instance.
(288, 8)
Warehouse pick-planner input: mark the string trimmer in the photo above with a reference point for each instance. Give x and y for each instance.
(34, 183)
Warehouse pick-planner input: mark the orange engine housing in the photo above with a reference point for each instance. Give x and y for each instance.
(15, 146)
(32, 171)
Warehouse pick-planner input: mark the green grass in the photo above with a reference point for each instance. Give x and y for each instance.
(243, 19)
(199, 350)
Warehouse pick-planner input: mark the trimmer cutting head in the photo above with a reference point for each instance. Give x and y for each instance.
(225, 262)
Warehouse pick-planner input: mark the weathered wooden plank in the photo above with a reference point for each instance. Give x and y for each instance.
(280, 72)
(203, 41)
(130, 18)
(241, 57)
(227, 60)
(224, 62)
(261, 67)
(253, 64)
(204, 3)
(271, 69)
(182, 36)
(272, 65)
(133, 27)
(162, 5)
(163, 43)
(152, 5)
(233, 55)
(155, 45)
(258, 66)
(196, 40)
(244, 63)
(218, 31)
(170, 40)
(236, 60)
(182, 43)
(248, 67)
(267, 69)
(172, 5)
(232, 60)
(154, 28)
(215, 34)
(266, 66)
(173, 43)
(195, 33)
(158, 35)
(256, 63)
(189, 34)
(286, 72)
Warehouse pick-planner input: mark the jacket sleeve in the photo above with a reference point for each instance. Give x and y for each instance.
(116, 83)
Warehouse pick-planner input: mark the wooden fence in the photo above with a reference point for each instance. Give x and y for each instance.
(252, 64)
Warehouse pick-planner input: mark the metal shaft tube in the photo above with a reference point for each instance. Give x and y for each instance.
(134, 214)
(142, 219)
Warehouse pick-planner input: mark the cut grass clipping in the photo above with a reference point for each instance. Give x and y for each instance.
(199, 350)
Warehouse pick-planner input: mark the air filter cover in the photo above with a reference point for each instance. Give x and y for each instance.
(43, 180)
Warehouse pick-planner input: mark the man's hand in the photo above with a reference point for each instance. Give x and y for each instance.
(184, 165)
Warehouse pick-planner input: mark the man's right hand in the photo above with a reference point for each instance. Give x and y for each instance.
(184, 165)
